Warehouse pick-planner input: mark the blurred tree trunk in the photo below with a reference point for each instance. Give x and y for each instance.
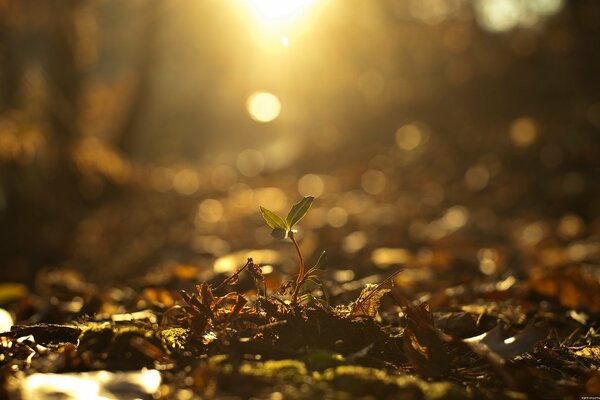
(63, 205)
(11, 194)
(10, 68)
(42, 199)
(128, 135)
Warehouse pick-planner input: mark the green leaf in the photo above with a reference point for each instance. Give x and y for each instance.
(299, 210)
(321, 262)
(310, 285)
(273, 220)
(320, 265)
(315, 300)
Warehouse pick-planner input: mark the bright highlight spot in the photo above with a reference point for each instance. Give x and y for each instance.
(95, 385)
(354, 242)
(410, 136)
(210, 210)
(284, 41)
(263, 106)
(186, 182)
(385, 256)
(6, 321)
(510, 340)
(311, 185)
(504, 15)
(273, 198)
(455, 218)
(337, 217)
(524, 131)
(278, 12)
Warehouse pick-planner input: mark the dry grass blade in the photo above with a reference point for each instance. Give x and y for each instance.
(368, 302)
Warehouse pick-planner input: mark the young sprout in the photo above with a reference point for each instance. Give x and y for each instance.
(284, 228)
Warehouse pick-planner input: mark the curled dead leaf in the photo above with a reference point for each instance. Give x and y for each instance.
(369, 299)
(423, 343)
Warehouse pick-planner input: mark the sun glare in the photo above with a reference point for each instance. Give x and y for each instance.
(263, 106)
(278, 12)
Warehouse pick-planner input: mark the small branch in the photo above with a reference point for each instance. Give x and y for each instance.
(232, 277)
(376, 289)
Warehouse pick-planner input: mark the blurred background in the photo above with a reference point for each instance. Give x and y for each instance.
(145, 133)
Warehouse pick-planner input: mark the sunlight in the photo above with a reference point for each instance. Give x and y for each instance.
(278, 12)
(263, 106)
(505, 15)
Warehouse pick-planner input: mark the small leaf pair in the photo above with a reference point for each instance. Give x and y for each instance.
(282, 228)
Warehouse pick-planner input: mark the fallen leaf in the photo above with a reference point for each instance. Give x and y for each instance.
(368, 301)
(572, 287)
(510, 347)
(423, 343)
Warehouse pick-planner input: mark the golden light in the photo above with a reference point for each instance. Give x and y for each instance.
(278, 12)
(523, 131)
(263, 106)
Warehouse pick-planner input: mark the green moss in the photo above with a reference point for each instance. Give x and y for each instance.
(322, 360)
(174, 339)
(296, 380)
(362, 381)
(441, 390)
(371, 382)
(285, 370)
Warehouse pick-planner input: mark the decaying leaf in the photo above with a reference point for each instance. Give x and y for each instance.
(206, 296)
(510, 347)
(368, 302)
(240, 302)
(256, 272)
(286, 287)
(572, 287)
(458, 324)
(423, 343)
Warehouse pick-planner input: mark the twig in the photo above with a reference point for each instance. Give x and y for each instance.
(376, 289)
(235, 275)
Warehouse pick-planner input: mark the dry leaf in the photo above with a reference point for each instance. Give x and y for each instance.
(508, 348)
(423, 344)
(572, 287)
(368, 302)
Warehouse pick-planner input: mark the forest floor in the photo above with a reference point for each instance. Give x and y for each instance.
(154, 304)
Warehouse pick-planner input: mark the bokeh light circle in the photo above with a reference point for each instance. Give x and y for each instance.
(263, 106)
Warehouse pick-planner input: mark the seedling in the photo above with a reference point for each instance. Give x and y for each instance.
(284, 229)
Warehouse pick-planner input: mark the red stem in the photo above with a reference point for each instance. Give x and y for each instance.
(301, 272)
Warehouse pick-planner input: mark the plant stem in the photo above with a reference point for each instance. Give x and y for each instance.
(232, 277)
(376, 289)
(300, 272)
